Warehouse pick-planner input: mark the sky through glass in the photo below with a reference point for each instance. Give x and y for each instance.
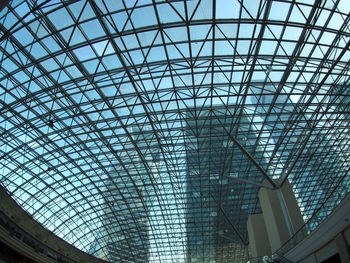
(153, 124)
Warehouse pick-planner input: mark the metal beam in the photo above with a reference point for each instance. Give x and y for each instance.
(3, 4)
(233, 226)
(247, 154)
(246, 181)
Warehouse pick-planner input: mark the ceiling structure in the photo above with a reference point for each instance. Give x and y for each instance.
(143, 130)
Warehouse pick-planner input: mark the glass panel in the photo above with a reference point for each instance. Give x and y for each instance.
(141, 131)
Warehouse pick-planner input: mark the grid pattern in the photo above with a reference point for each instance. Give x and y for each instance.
(104, 102)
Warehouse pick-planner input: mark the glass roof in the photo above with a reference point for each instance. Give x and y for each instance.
(141, 131)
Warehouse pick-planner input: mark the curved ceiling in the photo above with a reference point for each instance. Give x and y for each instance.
(142, 130)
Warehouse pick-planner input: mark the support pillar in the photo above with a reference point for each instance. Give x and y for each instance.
(281, 214)
(259, 244)
(342, 248)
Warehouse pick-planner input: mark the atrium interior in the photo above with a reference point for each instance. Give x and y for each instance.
(208, 131)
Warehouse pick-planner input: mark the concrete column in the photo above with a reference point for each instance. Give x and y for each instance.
(342, 248)
(293, 210)
(259, 244)
(281, 214)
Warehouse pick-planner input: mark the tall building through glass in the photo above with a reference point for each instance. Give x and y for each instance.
(341, 98)
(125, 234)
(214, 197)
(292, 128)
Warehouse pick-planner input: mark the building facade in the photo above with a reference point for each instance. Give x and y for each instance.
(214, 197)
